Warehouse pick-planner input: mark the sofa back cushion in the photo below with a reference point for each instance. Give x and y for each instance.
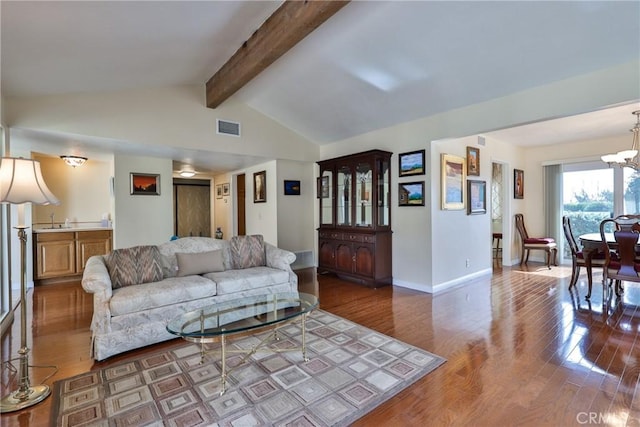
(199, 262)
(191, 245)
(247, 251)
(135, 265)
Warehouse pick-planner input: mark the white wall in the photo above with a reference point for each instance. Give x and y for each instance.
(262, 218)
(223, 207)
(430, 245)
(296, 213)
(84, 192)
(142, 220)
(168, 116)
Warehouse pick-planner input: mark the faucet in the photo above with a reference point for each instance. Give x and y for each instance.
(52, 215)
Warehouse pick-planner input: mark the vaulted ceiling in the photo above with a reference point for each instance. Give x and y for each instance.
(371, 65)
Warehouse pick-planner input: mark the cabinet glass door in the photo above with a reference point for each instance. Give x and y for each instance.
(344, 196)
(326, 198)
(364, 195)
(383, 193)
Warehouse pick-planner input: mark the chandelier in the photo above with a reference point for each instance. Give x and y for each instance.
(627, 158)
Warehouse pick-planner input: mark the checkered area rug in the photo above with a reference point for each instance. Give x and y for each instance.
(351, 370)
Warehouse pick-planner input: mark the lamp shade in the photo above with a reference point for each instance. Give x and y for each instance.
(21, 182)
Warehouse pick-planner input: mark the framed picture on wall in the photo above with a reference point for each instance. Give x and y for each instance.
(225, 189)
(260, 187)
(219, 191)
(518, 184)
(145, 184)
(477, 197)
(291, 187)
(473, 161)
(411, 193)
(453, 176)
(411, 163)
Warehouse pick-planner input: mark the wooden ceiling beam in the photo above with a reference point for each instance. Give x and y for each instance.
(292, 22)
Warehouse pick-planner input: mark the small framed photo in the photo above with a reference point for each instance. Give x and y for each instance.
(219, 191)
(411, 163)
(291, 188)
(260, 187)
(473, 161)
(145, 184)
(411, 193)
(477, 197)
(453, 170)
(225, 189)
(518, 184)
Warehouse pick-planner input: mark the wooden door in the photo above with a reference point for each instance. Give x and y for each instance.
(192, 208)
(240, 197)
(327, 254)
(344, 257)
(364, 260)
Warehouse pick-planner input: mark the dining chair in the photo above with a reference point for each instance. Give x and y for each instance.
(547, 244)
(620, 254)
(578, 257)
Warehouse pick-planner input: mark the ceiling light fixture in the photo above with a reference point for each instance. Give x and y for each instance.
(74, 161)
(187, 171)
(627, 158)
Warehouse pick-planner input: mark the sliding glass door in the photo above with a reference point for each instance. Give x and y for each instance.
(592, 191)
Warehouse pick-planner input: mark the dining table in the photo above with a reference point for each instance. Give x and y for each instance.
(591, 246)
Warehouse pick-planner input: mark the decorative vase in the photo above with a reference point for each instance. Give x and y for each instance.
(218, 233)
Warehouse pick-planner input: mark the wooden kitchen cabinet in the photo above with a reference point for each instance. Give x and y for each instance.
(59, 254)
(354, 237)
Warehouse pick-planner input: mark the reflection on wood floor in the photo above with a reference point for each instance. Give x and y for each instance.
(521, 348)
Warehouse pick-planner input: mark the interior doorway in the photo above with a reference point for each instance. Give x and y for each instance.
(497, 212)
(240, 200)
(192, 207)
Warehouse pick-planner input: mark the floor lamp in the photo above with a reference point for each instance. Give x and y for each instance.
(21, 182)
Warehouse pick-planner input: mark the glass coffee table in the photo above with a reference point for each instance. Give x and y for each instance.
(218, 321)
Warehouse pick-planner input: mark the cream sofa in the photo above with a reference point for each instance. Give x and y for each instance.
(133, 316)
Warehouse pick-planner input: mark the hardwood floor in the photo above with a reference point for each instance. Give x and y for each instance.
(521, 349)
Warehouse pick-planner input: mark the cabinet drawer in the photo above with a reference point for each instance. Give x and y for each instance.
(94, 234)
(54, 237)
(331, 235)
(369, 238)
(353, 237)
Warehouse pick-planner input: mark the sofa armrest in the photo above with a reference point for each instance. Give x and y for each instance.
(282, 260)
(279, 258)
(96, 281)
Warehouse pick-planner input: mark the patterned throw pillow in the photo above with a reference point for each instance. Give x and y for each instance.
(132, 266)
(247, 251)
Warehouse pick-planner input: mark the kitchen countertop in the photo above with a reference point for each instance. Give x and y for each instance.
(70, 229)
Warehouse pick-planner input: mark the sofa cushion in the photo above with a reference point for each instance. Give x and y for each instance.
(247, 251)
(167, 292)
(191, 245)
(135, 265)
(231, 281)
(199, 263)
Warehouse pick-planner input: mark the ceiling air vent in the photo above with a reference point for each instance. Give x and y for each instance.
(226, 127)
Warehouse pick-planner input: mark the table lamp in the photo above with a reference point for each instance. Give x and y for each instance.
(21, 182)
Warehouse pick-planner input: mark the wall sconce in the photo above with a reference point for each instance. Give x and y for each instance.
(74, 161)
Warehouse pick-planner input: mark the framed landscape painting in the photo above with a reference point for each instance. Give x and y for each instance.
(145, 184)
(453, 170)
(411, 163)
(411, 193)
(291, 188)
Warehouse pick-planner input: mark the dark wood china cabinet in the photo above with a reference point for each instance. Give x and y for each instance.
(354, 238)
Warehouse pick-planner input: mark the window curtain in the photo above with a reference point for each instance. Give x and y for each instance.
(553, 201)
